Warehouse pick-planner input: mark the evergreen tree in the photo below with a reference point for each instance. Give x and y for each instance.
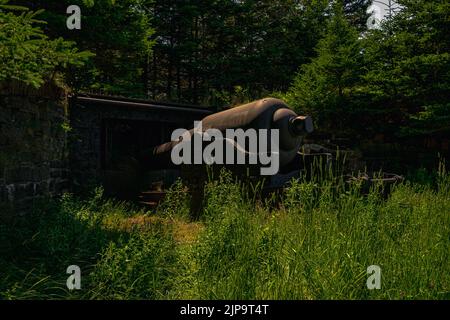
(117, 32)
(409, 67)
(207, 50)
(26, 53)
(326, 87)
(356, 12)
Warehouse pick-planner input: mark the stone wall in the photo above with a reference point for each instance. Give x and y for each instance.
(33, 146)
(50, 143)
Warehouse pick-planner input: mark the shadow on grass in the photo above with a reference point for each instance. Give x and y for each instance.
(115, 262)
(36, 250)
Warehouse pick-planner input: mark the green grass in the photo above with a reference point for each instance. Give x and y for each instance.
(316, 244)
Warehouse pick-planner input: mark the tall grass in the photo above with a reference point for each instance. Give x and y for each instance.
(320, 243)
(118, 260)
(317, 244)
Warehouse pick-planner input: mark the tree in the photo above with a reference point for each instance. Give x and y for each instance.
(117, 32)
(26, 53)
(409, 67)
(206, 50)
(356, 12)
(327, 86)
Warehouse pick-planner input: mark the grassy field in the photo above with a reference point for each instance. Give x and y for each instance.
(316, 244)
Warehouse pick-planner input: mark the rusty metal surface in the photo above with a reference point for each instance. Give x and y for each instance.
(267, 113)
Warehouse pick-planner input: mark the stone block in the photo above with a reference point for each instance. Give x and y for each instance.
(41, 188)
(18, 174)
(24, 190)
(55, 173)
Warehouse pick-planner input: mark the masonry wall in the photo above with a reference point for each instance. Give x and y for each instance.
(33, 146)
(50, 143)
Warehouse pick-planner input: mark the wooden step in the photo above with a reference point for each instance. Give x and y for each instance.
(150, 204)
(154, 192)
(151, 198)
(152, 195)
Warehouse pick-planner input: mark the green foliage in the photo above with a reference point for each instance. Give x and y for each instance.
(317, 245)
(137, 267)
(176, 202)
(320, 241)
(393, 80)
(300, 195)
(220, 193)
(409, 66)
(115, 263)
(26, 53)
(356, 11)
(203, 50)
(326, 87)
(321, 244)
(206, 49)
(117, 32)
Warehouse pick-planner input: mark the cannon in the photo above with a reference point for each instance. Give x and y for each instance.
(261, 115)
(267, 115)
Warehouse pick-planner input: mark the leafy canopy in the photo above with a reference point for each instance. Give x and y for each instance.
(26, 53)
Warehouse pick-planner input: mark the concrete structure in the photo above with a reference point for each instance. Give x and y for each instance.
(51, 143)
(109, 135)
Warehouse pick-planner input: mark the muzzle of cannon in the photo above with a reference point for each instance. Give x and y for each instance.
(268, 113)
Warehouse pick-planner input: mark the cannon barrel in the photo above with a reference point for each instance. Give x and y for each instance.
(267, 113)
(260, 114)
